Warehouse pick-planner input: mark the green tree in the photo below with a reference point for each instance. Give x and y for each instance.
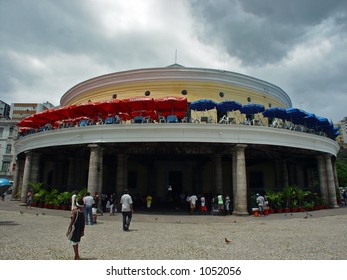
(341, 169)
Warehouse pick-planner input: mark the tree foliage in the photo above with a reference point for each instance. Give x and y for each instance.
(341, 169)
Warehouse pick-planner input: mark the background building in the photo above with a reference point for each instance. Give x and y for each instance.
(204, 150)
(10, 116)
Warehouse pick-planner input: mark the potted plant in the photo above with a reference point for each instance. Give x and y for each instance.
(40, 197)
(308, 205)
(51, 198)
(64, 200)
(287, 195)
(275, 201)
(36, 187)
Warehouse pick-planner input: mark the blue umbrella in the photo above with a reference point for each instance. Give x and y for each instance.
(228, 106)
(275, 112)
(250, 109)
(297, 115)
(203, 104)
(4, 185)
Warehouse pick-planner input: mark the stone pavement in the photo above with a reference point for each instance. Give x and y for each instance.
(39, 233)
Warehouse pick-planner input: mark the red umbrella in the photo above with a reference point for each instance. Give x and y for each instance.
(141, 103)
(113, 106)
(173, 103)
(31, 123)
(89, 109)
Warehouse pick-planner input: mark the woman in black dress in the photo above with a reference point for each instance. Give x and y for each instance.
(76, 228)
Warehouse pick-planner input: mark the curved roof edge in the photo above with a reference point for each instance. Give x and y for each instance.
(177, 71)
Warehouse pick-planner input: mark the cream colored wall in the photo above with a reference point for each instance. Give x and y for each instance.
(196, 90)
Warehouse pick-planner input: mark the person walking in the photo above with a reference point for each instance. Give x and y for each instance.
(227, 204)
(261, 203)
(76, 228)
(113, 205)
(203, 207)
(30, 198)
(97, 204)
(192, 200)
(88, 211)
(127, 209)
(149, 201)
(220, 204)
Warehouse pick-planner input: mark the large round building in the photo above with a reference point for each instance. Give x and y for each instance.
(199, 131)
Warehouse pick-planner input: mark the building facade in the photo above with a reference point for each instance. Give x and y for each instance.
(20, 111)
(201, 153)
(8, 133)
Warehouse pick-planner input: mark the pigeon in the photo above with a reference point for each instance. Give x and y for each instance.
(227, 241)
(178, 221)
(21, 212)
(307, 214)
(156, 219)
(37, 214)
(43, 213)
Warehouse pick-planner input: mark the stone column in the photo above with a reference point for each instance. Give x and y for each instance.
(95, 169)
(323, 186)
(278, 177)
(284, 173)
(300, 176)
(71, 177)
(218, 173)
(240, 189)
(331, 182)
(26, 175)
(16, 176)
(122, 174)
(35, 168)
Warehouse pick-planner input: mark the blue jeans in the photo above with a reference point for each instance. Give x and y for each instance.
(88, 213)
(126, 220)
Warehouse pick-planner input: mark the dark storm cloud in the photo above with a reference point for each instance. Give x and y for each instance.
(48, 46)
(261, 32)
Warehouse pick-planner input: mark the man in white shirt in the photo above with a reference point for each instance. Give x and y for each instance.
(127, 209)
(192, 199)
(88, 201)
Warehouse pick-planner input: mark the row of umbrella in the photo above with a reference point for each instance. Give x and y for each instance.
(294, 115)
(171, 105)
(126, 108)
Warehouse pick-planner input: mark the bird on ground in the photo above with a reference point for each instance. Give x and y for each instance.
(156, 219)
(37, 214)
(178, 221)
(226, 240)
(21, 212)
(43, 213)
(307, 214)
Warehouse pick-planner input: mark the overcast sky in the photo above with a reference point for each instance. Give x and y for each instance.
(48, 46)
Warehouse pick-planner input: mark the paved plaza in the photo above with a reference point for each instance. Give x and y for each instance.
(39, 234)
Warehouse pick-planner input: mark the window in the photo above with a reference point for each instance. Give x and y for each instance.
(8, 149)
(5, 166)
(11, 131)
(1, 131)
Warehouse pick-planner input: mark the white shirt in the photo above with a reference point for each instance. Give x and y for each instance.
(193, 199)
(73, 202)
(126, 201)
(88, 200)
